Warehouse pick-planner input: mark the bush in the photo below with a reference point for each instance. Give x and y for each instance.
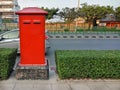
(66, 30)
(7, 61)
(105, 29)
(88, 64)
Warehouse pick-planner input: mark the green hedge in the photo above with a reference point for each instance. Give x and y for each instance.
(81, 64)
(7, 61)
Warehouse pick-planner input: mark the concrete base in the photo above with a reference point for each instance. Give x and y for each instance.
(32, 72)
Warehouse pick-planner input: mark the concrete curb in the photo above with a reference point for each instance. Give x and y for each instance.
(84, 36)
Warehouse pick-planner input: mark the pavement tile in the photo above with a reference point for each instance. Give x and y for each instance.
(23, 88)
(42, 87)
(113, 85)
(61, 87)
(41, 82)
(79, 87)
(7, 81)
(24, 85)
(95, 82)
(52, 76)
(25, 81)
(76, 81)
(6, 86)
(99, 87)
(112, 80)
(114, 88)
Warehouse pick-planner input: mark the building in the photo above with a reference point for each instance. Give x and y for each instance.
(110, 21)
(8, 9)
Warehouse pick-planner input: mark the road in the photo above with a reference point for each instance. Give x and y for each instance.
(74, 44)
(81, 44)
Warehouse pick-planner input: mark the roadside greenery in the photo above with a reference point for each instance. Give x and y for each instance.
(88, 12)
(7, 61)
(90, 64)
(51, 12)
(98, 30)
(117, 12)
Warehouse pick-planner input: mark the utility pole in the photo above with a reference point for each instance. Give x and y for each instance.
(14, 10)
(76, 18)
(78, 4)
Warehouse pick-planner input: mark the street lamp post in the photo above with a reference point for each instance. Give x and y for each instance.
(78, 4)
(76, 17)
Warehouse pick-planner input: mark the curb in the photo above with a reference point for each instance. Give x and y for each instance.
(84, 36)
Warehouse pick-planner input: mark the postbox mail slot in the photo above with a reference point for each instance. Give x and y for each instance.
(36, 21)
(26, 21)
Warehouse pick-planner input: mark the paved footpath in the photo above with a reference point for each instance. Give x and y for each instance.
(54, 83)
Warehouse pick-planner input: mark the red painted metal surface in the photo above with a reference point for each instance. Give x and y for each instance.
(32, 36)
(111, 23)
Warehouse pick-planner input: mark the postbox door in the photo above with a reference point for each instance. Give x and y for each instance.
(32, 39)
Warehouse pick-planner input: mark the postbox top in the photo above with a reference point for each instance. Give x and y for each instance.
(31, 11)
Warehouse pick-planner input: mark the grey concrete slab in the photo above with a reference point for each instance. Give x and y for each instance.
(24, 85)
(23, 88)
(99, 87)
(42, 87)
(61, 87)
(114, 88)
(7, 86)
(79, 87)
(113, 85)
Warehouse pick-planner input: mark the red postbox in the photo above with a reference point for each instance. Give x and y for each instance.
(32, 36)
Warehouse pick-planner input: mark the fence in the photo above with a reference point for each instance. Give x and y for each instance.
(8, 26)
(60, 27)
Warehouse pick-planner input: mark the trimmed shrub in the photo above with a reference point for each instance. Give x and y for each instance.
(66, 30)
(7, 61)
(94, 64)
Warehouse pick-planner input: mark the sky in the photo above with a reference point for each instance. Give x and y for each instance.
(66, 3)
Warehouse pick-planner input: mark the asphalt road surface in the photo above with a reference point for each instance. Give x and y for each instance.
(81, 44)
(74, 44)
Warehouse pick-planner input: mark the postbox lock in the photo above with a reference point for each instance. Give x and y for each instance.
(36, 22)
(26, 21)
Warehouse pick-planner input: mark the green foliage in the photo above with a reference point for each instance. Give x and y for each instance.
(69, 14)
(51, 12)
(7, 61)
(117, 10)
(66, 30)
(105, 29)
(91, 10)
(83, 64)
(7, 21)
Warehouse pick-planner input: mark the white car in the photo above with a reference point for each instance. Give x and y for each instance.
(10, 39)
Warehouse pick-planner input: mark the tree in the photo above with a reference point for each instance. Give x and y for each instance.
(117, 13)
(69, 14)
(51, 12)
(89, 11)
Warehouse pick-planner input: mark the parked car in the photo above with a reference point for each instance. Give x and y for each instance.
(10, 39)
